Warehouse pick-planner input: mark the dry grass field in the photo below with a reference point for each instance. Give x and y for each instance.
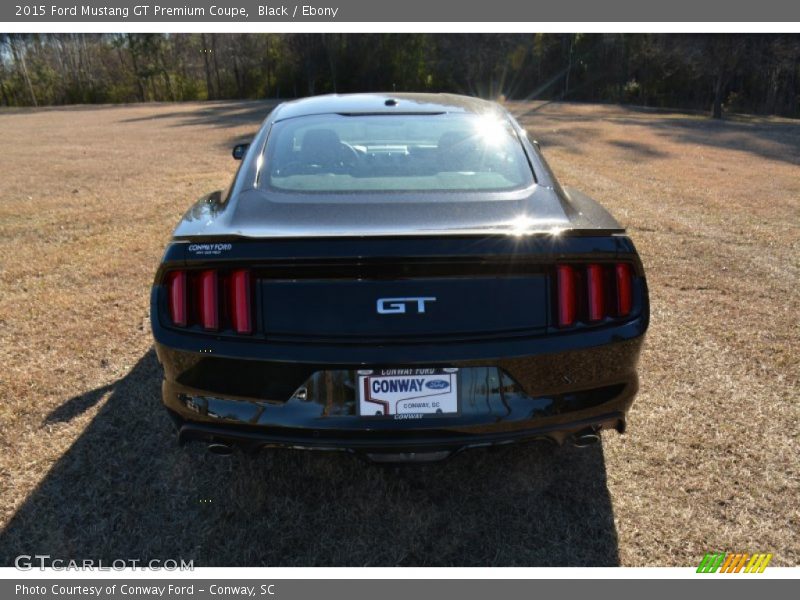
(89, 468)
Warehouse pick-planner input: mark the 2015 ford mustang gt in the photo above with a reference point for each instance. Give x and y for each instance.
(399, 276)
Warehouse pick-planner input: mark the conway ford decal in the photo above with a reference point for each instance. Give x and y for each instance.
(209, 249)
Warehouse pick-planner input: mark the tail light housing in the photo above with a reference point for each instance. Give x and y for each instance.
(592, 293)
(212, 299)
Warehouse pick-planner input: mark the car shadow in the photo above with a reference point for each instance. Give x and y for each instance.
(126, 490)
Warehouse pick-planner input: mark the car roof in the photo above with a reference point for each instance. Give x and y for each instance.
(384, 103)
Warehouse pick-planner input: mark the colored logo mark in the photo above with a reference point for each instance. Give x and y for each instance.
(734, 563)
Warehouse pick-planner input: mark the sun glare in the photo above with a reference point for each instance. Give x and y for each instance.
(491, 130)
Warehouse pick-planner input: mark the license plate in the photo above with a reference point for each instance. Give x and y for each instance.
(407, 393)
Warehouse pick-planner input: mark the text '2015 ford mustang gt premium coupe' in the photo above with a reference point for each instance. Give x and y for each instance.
(399, 276)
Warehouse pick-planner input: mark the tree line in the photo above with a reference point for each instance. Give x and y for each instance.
(750, 73)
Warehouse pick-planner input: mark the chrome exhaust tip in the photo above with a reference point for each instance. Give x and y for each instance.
(220, 448)
(585, 438)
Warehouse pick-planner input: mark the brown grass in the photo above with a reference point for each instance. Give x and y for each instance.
(88, 467)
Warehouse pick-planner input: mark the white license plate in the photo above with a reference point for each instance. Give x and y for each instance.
(407, 393)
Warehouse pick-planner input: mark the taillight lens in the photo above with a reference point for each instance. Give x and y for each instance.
(624, 289)
(567, 301)
(216, 300)
(594, 292)
(207, 300)
(241, 318)
(176, 292)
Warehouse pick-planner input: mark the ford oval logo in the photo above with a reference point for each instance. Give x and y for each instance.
(437, 384)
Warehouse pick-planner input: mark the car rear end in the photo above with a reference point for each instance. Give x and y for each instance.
(412, 347)
(399, 277)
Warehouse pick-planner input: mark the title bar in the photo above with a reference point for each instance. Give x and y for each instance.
(464, 11)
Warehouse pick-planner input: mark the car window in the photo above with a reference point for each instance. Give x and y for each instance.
(419, 153)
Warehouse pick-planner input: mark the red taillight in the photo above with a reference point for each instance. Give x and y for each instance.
(624, 289)
(594, 291)
(176, 292)
(207, 300)
(215, 300)
(240, 301)
(566, 295)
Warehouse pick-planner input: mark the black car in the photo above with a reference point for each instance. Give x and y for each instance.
(399, 276)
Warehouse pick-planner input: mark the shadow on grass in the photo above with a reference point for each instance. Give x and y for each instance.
(216, 114)
(777, 140)
(126, 490)
(219, 115)
(572, 139)
(637, 149)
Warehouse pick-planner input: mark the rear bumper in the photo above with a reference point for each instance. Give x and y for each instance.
(257, 402)
(437, 443)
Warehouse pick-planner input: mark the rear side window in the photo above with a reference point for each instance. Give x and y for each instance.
(394, 153)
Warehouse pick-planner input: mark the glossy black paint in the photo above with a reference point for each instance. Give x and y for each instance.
(291, 382)
(247, 211)
(244, 388)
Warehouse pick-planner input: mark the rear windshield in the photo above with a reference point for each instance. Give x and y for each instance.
(394, 153)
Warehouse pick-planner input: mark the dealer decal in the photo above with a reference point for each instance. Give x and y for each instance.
(210, 249)
(408, 393)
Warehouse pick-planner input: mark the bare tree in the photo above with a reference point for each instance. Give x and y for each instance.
(17, 46)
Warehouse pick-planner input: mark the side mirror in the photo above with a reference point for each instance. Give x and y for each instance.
(536, 145)
(239, 150)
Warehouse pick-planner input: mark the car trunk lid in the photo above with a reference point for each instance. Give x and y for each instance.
(418, 308)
